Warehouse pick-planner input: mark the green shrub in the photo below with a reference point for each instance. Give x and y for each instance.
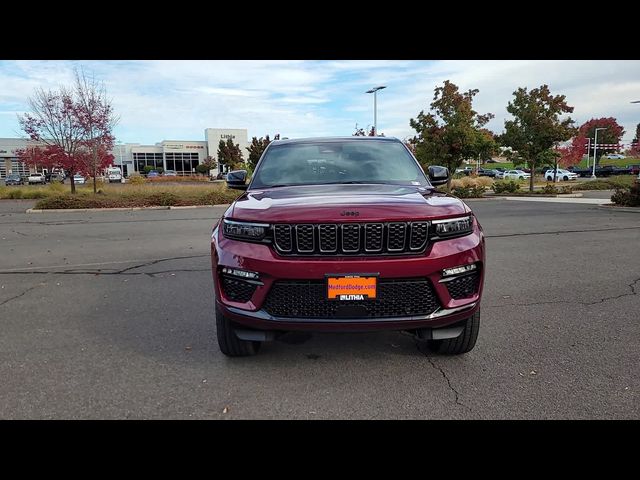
(566, 189)
(627, 197)
(549, 189)
(506, 187)
(202, 169)
(136, 179)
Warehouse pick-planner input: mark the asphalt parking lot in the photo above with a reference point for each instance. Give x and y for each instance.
(110, 315)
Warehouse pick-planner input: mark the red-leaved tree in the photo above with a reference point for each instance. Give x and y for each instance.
(74, 127)
(572, 154)
(52, 122)
(611, 135)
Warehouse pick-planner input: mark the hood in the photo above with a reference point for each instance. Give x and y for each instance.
(336, 203)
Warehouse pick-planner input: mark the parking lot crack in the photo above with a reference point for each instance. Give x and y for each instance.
(451, 387)
(17, 296)
(111, 271)
(558, 232)
(632, 286)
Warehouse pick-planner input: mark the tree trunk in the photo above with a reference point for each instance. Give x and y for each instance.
(533, 172)
(449, 182)
(95, 160)
(73, 185)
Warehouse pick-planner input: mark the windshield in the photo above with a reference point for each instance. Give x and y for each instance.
(340, 161)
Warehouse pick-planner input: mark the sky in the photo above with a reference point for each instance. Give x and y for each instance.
(178, 99)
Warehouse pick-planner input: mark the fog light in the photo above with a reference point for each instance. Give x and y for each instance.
(240, 273)
(447, 272)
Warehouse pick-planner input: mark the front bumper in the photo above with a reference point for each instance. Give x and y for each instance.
(273, 267)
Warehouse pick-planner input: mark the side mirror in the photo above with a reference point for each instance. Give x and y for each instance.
(237, 179)
(438, 175)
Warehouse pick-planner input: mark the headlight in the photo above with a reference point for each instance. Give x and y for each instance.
(245, 230)
(452, 227)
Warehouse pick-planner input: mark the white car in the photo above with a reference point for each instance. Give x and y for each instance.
(562, 175)
(78, 179)
(516, 175)
(615, 156)
(37, 178)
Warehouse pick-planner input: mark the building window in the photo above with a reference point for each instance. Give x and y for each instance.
(142, 160)
(182, 163)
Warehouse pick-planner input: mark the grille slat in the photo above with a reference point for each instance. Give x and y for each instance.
(305, 238)
(373, 237)
(308, 299)
(351, 238)
(328, 235)
(283, 237)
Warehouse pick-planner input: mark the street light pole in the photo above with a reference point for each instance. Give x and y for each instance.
(595, 149)
(375, 107)
(588, 151)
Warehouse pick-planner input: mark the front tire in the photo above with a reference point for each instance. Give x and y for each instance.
(229, 342)
(463, 343)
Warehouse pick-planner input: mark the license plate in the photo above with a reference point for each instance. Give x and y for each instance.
(351, 287)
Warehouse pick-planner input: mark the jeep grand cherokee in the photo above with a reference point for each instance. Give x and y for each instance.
(346, 235)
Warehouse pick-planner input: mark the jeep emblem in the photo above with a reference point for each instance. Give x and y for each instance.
(350, 213)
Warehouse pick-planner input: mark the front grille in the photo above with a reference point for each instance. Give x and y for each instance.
(308, 299)
(237, 290)
(463, 287)
(351, 238)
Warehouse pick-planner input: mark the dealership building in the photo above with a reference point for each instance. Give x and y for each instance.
(180, 155)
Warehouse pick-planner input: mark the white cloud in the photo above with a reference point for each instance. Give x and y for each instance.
(179, 99)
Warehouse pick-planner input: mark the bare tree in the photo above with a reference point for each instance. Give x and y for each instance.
(95, 114)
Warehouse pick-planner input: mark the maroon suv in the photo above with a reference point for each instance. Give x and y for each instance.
(346, 235)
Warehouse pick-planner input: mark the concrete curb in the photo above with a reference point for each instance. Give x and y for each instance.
(120, 209)
(615, 208)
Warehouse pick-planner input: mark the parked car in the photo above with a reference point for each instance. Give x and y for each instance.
(516, 175)
(635, 169)
(561, 175)
(36, 178)
(500, 175)
(114, 174)
(615, 156)
(221, 176)
(482, 172)
(79, 179)
(355, 247)
(56, 177)
(170, 173)
(465, 170)
(153, 173)
(13, 179)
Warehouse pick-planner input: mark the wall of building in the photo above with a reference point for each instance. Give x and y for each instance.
(8, 160)
(180, 155)
(238, 135)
